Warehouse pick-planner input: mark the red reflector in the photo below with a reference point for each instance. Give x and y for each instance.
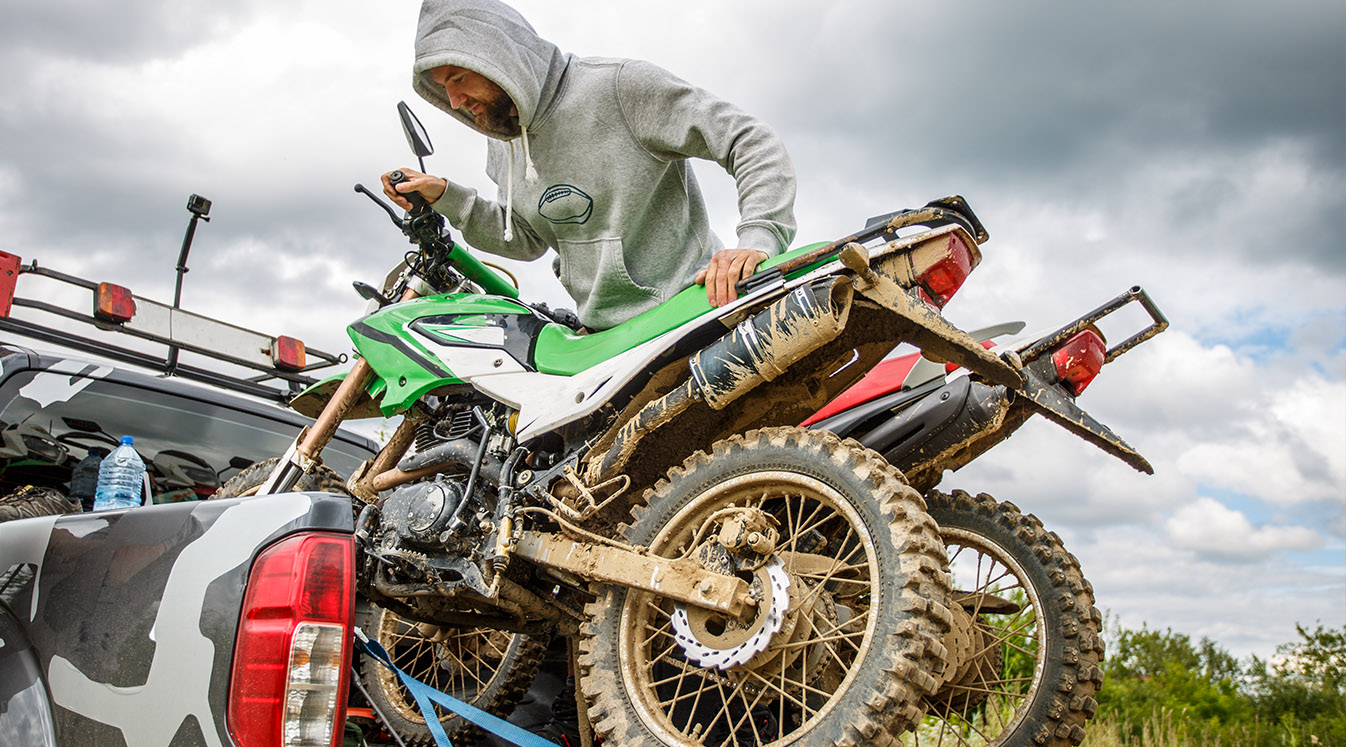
(9, 277)
(1079, 360)
(287, 353)
(114, 303)
(946, 276)
(299, 586)
(950, 367)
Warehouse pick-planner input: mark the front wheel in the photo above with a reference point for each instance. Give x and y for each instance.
(490, 669)
(1033, 638)
(845, 638)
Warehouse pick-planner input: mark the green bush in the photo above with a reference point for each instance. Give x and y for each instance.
(1164, 689)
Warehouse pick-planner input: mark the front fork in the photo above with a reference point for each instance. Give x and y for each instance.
(302, 456)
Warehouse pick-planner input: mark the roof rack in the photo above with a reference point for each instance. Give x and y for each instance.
(282, 362)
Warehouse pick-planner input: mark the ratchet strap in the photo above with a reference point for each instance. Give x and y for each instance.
(427, 696)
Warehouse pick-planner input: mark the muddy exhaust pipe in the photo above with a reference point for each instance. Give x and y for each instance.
(759, 349)
(766, 344)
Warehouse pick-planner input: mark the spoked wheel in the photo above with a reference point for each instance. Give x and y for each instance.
(847, 571)
(246, 482)
(1030, 632)
(490, 669)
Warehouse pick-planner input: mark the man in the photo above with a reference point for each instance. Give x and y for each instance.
(590, 156)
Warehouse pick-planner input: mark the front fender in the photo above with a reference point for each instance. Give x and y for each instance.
(312, 400)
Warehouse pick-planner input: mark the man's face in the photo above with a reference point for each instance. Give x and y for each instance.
(486, 102)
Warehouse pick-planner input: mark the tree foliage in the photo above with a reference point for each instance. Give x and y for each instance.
(1205, 695)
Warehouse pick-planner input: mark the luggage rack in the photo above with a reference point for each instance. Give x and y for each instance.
(282, 362)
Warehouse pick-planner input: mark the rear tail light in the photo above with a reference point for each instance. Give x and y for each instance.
(293, 650)
(287, 353)
(943, 279)
(1079, 360)
(114, 303)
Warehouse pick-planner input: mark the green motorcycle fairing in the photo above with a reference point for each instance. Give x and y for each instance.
(394, 342)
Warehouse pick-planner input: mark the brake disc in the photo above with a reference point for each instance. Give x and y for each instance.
(712, 640)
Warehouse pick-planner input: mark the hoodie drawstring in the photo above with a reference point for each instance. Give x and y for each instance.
(509, 197)
(530, 171)
(530, 174)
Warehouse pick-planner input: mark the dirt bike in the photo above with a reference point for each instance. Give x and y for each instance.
(926, 417)
(1032, 605)
(727, 575)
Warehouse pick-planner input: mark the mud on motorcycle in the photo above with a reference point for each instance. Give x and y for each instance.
(728, 575)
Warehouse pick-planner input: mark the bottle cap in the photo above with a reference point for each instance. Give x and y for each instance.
(128, 440)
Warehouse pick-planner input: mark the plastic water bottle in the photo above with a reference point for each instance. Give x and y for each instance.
(121, 478)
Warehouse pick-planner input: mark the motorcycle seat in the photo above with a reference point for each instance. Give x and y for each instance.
(564, 352)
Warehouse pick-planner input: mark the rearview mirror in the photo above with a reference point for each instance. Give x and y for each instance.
(417, 137)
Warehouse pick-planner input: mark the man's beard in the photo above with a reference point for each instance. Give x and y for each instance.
(497, 118)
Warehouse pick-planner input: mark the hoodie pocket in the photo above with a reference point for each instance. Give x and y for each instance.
(594, 273)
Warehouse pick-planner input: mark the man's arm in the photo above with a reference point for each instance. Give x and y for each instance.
(674, 119)
(481, 221)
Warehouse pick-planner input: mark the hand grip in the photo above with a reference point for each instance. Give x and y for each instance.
(418, 203)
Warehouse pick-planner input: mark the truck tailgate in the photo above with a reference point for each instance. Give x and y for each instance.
(130, 616)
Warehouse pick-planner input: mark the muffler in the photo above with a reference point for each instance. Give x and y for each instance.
(766, 344)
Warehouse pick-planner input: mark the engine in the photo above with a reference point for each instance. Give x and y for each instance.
(425, 514)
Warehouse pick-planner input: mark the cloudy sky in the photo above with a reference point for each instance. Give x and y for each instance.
(1196, 148)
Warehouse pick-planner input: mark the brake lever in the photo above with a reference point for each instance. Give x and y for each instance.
(379, 201)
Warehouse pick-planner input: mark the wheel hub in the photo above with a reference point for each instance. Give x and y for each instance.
(712, 640)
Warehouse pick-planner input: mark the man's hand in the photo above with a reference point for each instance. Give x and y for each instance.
(430, 187)
(726, 269)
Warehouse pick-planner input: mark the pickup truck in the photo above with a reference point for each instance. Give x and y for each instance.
(190, 622)
(220, 622)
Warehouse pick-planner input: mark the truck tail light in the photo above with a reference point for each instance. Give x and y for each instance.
(114, 303)
(287, 353)
(943, 279)
(1079, 359)
(293, 650)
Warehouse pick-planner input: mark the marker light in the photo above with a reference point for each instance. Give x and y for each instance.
(9, 277)
(113, 303)
(292, 653)
(1079, 360)
(287, 353)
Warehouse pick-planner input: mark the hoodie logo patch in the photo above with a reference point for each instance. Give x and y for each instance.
(562, 203)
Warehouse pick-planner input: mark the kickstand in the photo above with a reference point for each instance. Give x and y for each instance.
(581, 708)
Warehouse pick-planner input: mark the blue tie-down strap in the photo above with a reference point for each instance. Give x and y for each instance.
(427, 696)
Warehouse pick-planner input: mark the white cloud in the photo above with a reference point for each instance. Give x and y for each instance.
(1141, 577)
(1210, 528)
(1287, 449)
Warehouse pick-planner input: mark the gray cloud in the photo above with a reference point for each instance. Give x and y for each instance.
(130, 31)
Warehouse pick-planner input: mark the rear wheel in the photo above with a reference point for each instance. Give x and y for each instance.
(851, 598)
(1034, 632)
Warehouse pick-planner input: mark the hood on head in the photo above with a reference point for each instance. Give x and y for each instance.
(493, 40)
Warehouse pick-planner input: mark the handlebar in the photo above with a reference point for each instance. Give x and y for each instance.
(425, 228)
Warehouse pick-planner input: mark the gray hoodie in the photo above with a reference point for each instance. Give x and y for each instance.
(599, 172)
